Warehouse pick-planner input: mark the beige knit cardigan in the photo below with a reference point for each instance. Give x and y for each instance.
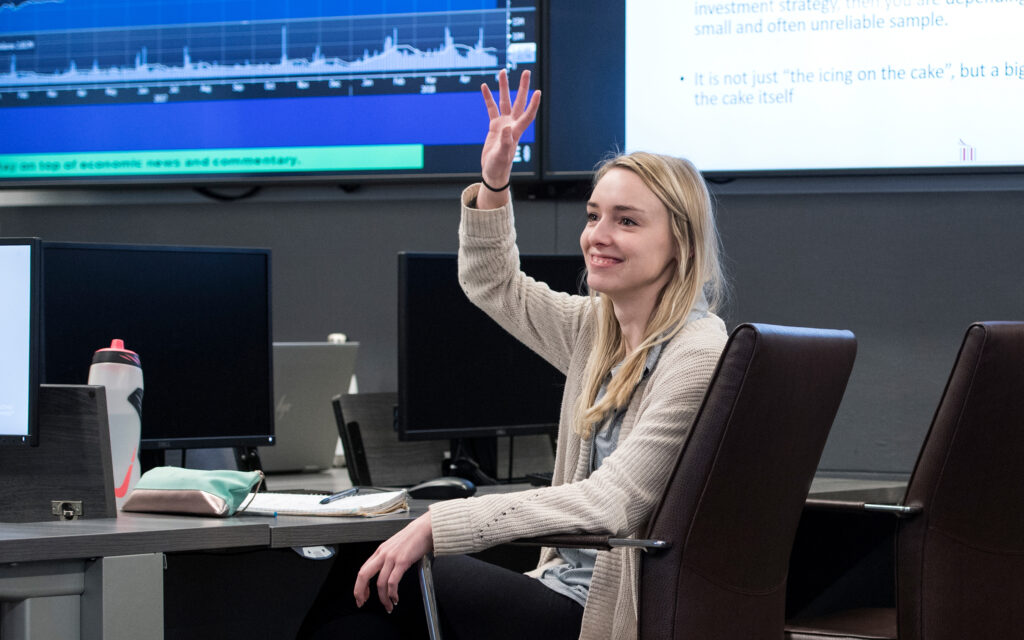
(617, 498)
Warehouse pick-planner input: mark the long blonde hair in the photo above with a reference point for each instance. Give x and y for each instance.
(680, 187)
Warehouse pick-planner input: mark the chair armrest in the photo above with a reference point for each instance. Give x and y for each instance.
(591, 541)
(898, 510)
(826, 504)
(853, 506)
(569, 541)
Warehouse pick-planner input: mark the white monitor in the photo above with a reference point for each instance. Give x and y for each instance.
(826, 85)
(19, 340)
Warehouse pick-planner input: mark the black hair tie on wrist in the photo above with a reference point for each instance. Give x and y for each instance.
(496, 190)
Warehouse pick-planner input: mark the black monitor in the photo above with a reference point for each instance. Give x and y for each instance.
(461, 375)
(19, 340)
(200, 320)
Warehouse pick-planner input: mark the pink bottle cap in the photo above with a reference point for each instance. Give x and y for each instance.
(117, 344)
(116, 353)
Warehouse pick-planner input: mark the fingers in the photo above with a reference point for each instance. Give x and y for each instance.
(523, 121)
(388, 579)
(504, 106)
(361, 591)
(503, 93)
(383, 593)
(522, 93)
(492, 108)
(391, 586)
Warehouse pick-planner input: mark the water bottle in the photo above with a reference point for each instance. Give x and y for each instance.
(120, 371)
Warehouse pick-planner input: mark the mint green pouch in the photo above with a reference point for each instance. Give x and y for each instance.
(196, 492)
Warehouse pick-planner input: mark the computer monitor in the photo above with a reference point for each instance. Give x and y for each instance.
(19, 340)
(461, 375)
(764, 89)
(200, 320)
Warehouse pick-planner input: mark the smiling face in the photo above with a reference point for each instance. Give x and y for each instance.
(627, 243)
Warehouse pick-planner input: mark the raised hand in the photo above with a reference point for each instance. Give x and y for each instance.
(508, 121)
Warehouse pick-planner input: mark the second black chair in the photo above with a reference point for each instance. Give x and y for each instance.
(960, 540)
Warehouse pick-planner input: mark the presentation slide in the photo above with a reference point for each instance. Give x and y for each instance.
(195, 87)
(750, 85)
(15, 325)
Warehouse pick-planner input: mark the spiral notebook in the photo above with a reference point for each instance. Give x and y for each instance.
(305, 504)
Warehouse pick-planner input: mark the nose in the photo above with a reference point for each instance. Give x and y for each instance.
(601, 232)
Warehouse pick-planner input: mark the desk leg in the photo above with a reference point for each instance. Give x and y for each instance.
(41, 599)
(44, 617)
(124, 598)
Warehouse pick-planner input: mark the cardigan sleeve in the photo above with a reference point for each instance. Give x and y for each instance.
(618, 498)
(546, 321)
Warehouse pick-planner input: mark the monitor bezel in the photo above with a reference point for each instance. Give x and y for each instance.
(401, 419)
(575, 173)
(200, 442)
(31, 438)
(344, 179)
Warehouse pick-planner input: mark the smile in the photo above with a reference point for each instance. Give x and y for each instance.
(603, 261)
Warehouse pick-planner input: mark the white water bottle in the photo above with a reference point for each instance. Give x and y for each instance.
(120, 371)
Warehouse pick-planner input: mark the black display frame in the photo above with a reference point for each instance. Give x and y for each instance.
(537, 381)
(31, 437)
(165, 439)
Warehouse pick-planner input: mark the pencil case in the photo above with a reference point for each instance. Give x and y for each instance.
(198, 492)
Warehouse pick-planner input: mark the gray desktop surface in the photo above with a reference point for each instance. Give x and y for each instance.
(127, 534)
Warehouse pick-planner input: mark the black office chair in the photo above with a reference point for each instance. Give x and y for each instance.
(960, 536)
(719, 541)
(373, 454)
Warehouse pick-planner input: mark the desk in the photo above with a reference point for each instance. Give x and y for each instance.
(103, 578)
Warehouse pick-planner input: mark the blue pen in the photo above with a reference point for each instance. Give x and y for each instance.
(341, 494)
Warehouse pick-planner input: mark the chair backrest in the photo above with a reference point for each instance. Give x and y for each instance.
(733, 502)
(960, 562)
(373, 453)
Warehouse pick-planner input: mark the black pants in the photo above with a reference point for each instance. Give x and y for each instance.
(476, 601)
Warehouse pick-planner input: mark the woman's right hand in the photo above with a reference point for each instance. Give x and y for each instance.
(508, 121)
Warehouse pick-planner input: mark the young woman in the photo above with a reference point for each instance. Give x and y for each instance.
(637, 353)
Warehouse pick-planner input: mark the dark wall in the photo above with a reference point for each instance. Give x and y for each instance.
(906, 271)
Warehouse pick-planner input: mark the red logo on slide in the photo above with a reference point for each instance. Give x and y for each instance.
(123, 489)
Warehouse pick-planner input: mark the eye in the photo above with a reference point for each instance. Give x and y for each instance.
(591, 216)
(629, 222)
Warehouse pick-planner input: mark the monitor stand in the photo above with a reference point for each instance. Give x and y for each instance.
(475, 459)
(248, 459)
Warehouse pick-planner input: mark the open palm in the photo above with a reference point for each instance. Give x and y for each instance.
(508, 121)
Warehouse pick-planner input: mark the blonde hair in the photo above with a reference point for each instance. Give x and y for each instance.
(680, 187)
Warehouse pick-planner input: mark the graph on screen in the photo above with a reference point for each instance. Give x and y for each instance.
(251, 87)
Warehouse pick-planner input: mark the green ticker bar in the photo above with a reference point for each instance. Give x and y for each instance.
(206, 161)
